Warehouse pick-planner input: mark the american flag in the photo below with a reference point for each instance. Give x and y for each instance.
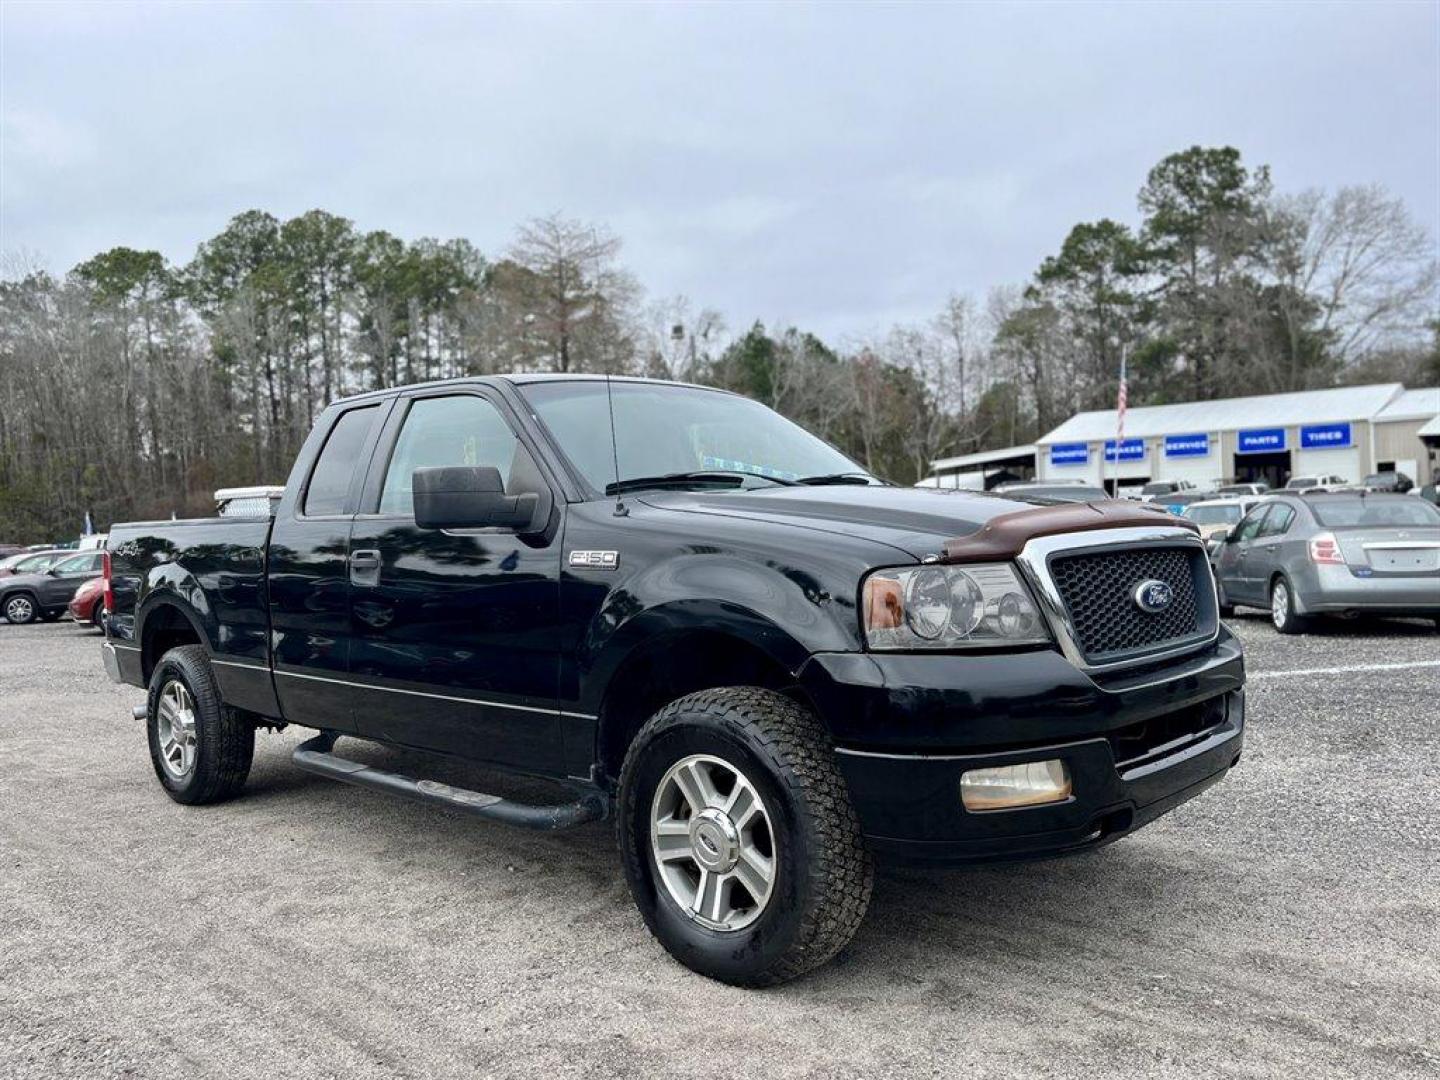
(1120, 405)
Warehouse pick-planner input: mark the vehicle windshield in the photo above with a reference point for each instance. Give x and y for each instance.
(1403, 511)
(665, 429)
(1302, 482)
(1212, 515)
(1157, 489)
(74, 563)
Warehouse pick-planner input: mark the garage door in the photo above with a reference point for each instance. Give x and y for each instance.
(1344, 463)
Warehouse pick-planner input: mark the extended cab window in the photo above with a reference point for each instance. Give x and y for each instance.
(459, 430)
(330, 482)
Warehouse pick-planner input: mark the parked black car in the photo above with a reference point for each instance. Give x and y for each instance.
(1388, 481)
(767, 664)
(45, 594)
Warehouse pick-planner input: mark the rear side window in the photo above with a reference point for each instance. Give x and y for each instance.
(1278, 521)
(1247, 529)
(1343, 513)
(330, 482)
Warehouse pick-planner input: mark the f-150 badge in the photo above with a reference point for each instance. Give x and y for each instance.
(594, 560)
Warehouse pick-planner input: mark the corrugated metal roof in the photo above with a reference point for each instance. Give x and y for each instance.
(1413, 405)
(1231, 414)
(984, 457)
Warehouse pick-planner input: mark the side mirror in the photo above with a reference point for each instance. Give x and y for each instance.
(469, 497)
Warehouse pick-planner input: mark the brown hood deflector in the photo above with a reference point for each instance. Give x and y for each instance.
(1002, 537)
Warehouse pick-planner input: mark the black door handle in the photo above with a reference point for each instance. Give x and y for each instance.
(365, 567)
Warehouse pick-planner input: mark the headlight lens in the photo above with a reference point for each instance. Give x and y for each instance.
(949, 607)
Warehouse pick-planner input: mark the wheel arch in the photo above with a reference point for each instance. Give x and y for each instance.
(166, 622)
(681, 654)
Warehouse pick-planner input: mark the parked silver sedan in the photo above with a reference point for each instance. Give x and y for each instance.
(1332, 552)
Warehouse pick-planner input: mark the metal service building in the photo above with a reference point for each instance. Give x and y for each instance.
(1348, 431)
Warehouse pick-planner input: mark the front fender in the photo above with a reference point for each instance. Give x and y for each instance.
(784, 612)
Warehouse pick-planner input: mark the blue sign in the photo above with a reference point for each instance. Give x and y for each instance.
(1326, 437)
(1187, 445)
(1070, 453)
(1129, 450)
(1261, 440)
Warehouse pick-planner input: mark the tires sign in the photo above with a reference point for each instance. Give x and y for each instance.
(1326, 437)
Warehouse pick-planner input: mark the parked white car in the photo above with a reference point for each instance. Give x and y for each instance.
(1216, 517)
(1327, 482)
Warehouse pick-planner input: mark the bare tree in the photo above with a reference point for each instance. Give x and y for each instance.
(577, 294)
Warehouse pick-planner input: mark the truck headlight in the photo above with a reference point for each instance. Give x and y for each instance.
(949, 607)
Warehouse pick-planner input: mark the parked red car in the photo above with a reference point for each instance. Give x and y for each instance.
(88, 603)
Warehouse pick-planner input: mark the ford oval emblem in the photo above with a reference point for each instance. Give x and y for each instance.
(1153, 596)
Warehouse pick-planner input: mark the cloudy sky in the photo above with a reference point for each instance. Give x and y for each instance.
(840, 167)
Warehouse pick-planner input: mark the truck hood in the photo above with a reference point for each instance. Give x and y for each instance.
(918, 521)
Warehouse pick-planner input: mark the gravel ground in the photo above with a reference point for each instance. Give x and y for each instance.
(1283, 924)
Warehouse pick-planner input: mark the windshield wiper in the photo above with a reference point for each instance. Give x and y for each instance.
(859, 478)
(720, 477)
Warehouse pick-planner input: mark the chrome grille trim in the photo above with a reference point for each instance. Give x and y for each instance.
(1034, 560)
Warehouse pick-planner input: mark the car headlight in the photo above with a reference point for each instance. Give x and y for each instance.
(949, 607)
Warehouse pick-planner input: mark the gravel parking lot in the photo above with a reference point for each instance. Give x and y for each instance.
(1287, 923)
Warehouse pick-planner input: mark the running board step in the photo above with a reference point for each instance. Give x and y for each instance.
(314, 756)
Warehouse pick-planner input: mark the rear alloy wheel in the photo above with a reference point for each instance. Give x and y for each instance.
(20, 609)
(740, 844)
(200, 747)
(1282, 609)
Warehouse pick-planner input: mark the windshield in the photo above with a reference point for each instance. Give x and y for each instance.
(1212, 515)
(1302, 482)
(661, 429)
(1157, 489)
(1398, 512)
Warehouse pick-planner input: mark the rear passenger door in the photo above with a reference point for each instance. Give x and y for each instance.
(455, 633)
(67, 575)
(308, 580)
(1233, 568)
(1265, 553)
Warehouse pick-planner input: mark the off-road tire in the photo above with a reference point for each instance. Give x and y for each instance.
(225, 741)
(823, 868)
(1292, 622)
(31, 614)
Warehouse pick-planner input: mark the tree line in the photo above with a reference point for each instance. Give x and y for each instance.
(131, 387)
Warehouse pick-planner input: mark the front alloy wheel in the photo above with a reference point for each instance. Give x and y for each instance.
(710, 834)
(740, 844)
(20, 610)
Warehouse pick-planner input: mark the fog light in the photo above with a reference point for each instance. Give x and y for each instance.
(1008, 786)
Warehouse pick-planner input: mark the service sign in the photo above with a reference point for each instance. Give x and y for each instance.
(1126, 450)
(1261, 440)
(1072, 453)
(1197, 445)
(1326, 437)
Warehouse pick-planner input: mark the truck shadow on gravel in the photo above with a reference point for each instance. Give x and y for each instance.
(935, 920)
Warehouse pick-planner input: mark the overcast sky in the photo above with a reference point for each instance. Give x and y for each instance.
(839, 167)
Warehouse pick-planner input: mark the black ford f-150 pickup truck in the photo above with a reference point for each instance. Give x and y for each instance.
(767, 665)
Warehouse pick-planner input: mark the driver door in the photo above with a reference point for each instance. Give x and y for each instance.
(455, 632)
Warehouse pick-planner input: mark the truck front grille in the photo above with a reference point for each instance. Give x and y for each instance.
(1098, 591)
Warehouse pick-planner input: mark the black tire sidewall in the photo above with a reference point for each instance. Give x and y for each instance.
(738, 956)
